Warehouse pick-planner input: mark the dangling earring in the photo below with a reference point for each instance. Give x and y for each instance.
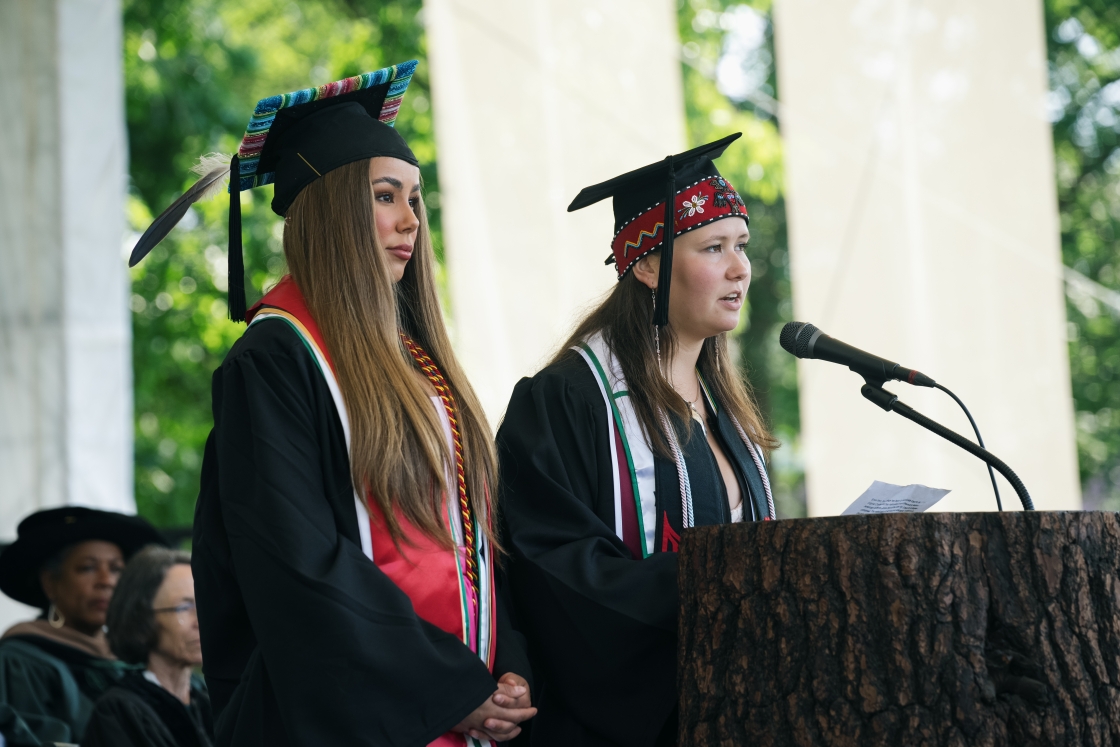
(656, 330)
(55, 618)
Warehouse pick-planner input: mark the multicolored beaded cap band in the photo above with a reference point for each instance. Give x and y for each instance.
(249, 154)
(697, 204)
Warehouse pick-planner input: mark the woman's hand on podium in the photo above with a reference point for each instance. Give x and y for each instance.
(499, 716)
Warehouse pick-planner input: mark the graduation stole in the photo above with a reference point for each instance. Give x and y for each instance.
(452, 590)
(632, 457)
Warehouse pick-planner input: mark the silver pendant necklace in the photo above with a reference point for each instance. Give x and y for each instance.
(692, 403)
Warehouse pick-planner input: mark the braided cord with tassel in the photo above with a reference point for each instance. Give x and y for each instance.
(431, 370)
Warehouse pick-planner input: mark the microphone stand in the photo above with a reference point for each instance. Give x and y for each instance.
(891, 403)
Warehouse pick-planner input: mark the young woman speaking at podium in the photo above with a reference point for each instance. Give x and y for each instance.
(639, 427)
(343, 539)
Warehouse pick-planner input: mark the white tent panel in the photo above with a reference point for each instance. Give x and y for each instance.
(535, 99)
(923, 227)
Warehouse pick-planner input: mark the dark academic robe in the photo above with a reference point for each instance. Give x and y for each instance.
(601, 625)
(305, 641)
(48, 689)
(139, 713)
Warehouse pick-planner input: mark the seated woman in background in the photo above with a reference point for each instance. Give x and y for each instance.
(152, 623)
(66, 561)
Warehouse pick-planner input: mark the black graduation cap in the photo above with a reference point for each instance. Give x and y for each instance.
(683, 192)
(292, 140)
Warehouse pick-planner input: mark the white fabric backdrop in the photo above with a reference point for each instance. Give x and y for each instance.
(923, 227)
(533, 100)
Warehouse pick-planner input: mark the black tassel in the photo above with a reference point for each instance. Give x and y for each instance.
(236, 260)
(665, 273)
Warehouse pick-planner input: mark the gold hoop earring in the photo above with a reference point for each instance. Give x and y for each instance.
(55, 618)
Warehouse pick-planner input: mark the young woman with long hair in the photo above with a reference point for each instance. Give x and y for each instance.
(344, 544)
(640, 427)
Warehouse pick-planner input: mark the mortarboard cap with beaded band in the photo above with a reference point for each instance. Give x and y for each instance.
(284, 128)
(292, 140)
(685, 191)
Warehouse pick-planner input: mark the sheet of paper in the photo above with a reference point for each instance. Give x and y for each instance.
(884, 498)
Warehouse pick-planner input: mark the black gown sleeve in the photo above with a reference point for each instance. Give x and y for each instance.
(341, 657)
(601, 625)
(511, 654)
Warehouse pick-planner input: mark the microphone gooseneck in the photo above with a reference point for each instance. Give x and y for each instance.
(891, 403)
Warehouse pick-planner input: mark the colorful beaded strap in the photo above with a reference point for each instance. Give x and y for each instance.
(431, 370)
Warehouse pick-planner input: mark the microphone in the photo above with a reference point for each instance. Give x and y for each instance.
(806, 341)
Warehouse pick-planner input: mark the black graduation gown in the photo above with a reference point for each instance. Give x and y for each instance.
(304, 640)
(601, 626)
(139, 713)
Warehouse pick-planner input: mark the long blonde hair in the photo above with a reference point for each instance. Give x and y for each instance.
(397, 445)
(626, 320)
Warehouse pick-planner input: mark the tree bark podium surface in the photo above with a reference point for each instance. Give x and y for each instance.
(923, 630)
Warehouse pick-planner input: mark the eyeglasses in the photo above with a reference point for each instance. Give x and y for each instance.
(183, 611)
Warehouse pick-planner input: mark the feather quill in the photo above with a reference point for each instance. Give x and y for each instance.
(206, 164)
(214, 168)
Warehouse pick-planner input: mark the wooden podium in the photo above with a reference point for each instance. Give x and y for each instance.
(942, 629)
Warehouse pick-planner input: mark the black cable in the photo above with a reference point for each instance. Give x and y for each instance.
(911, 414)
(976, 430)
(890, 402)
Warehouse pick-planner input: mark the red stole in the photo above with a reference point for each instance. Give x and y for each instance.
(428, 573)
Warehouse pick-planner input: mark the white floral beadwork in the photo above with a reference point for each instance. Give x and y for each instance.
(694, 204)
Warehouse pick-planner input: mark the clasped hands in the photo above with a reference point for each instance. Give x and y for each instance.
(499, 716)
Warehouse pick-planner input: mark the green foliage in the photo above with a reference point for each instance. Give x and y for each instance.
(194, 70)
(1083, 44)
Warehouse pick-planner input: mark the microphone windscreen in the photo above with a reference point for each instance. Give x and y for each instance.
(795, 338)
(801, 344)
(789, 336)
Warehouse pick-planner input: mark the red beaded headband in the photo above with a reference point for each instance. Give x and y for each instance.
(698, 204)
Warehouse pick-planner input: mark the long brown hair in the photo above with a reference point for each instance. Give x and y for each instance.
(626, 320)
(397, 445)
